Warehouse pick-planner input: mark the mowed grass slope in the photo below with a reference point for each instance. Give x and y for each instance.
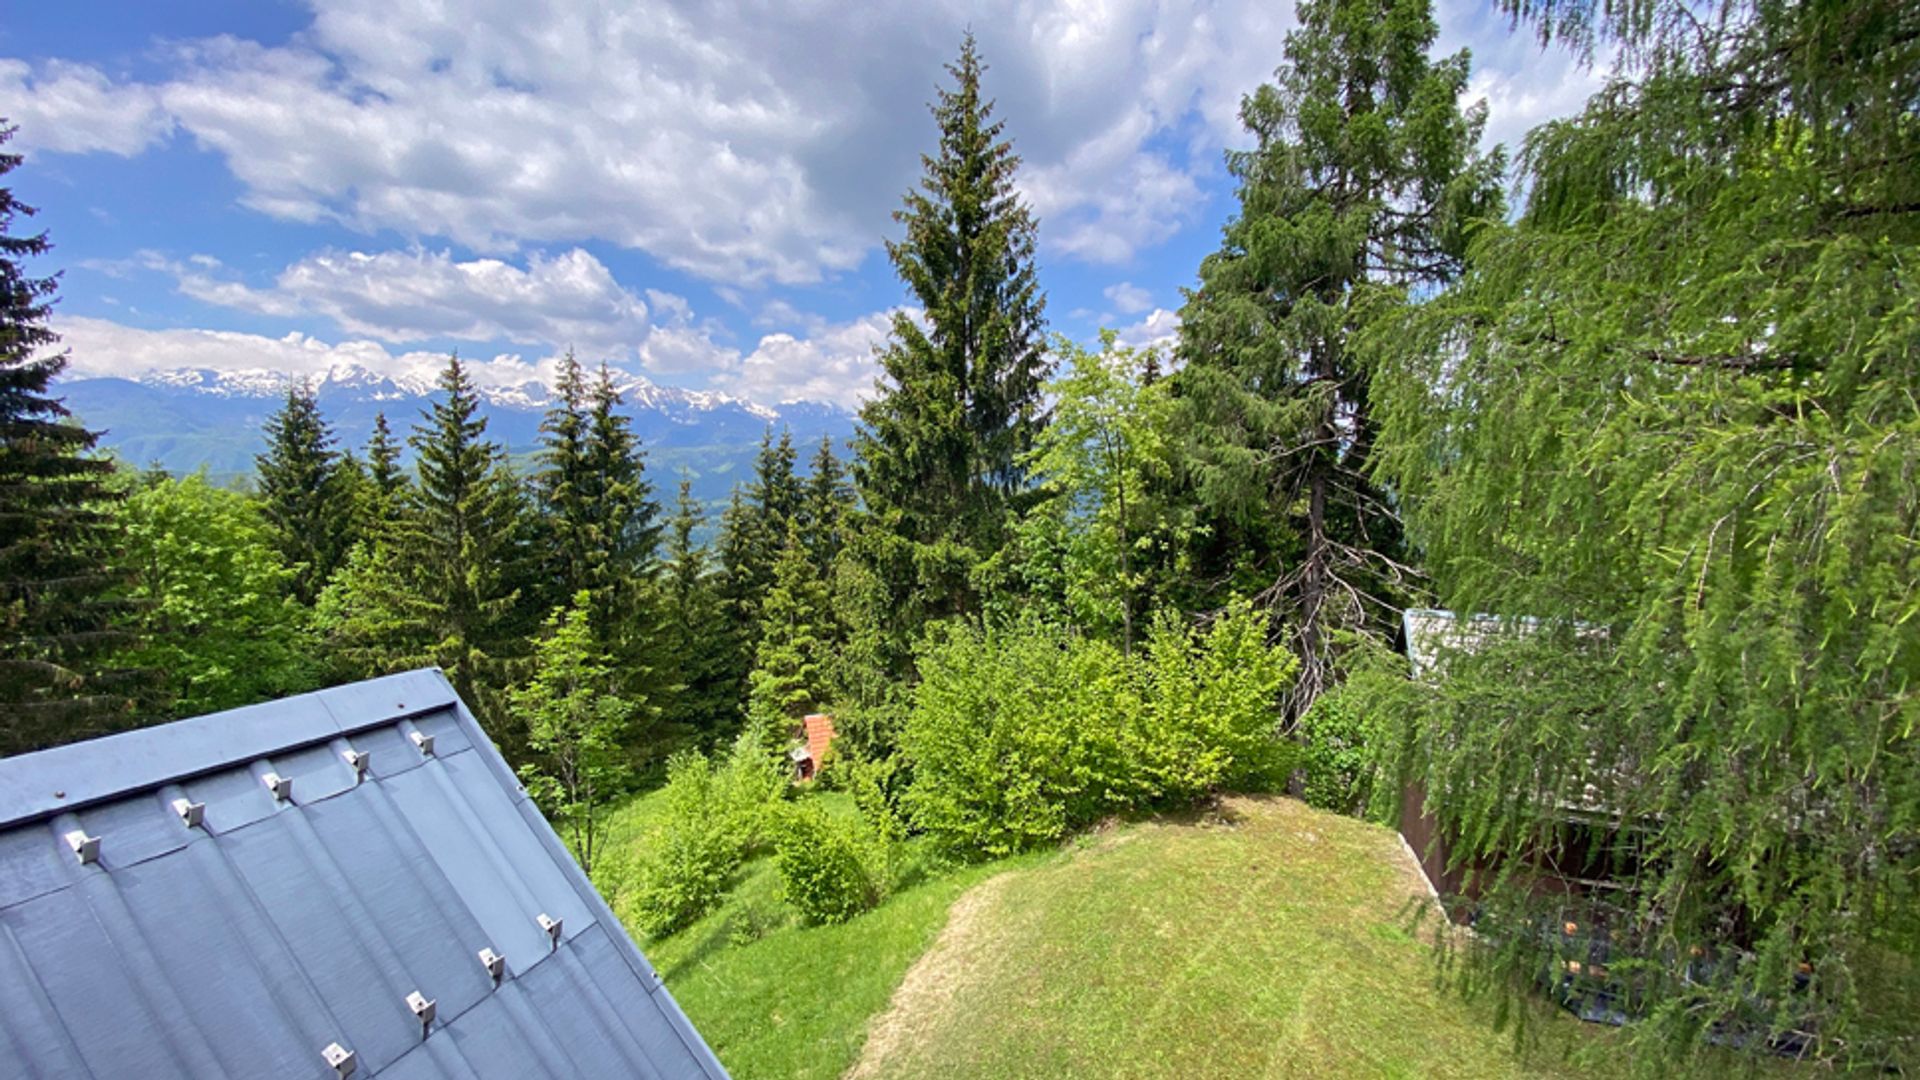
(774, 998)
(1267, 939)
(1260, 939)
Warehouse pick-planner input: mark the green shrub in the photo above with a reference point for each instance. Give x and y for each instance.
(1337, 754)
(1021, 733)
(1011, 736)
(830, 868)
(1210, 703)
(747, 786)
(713, 817)
(1353, 741)
(689, 855)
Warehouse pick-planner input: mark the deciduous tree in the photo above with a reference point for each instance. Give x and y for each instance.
(1670, 413)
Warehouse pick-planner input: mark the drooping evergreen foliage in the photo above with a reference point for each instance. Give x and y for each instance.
(1670, 412)
(305, 493)
(465, 545)
(1361, 189)
(940, 450)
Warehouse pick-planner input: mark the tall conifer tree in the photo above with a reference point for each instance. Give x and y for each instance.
(1362, 185)
(739, 586)
(789, 673)
(939, 449)
(465, 541)
(826, 500)
(57, 622)
(383, 495)
(1667, 422)
(624, 510)
(304, 495)
(701, 705)
(599, 523)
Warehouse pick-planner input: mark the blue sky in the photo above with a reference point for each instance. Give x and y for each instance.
(697, 192)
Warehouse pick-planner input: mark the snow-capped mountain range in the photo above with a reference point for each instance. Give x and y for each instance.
(193, 418)
(364, 382)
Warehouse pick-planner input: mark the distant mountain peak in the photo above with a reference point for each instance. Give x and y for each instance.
(359, 382)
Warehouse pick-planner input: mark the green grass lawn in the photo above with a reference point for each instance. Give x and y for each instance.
(1268, 939)
(1272, 940)
(772, 997)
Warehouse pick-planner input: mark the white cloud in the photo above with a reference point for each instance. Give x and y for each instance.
(1160, 328)
(1128, 298)
(739, 149)
(567, 300)
(835, 364)
(75, 109)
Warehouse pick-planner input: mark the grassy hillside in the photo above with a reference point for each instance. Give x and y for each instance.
(1263, 938)
(775, 998)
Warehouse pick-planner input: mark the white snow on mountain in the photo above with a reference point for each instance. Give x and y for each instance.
(363, 383)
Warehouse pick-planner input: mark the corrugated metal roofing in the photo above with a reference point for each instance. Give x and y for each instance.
(248, 942)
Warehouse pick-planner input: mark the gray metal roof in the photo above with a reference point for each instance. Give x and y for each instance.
(249, 942)
(1433, 632)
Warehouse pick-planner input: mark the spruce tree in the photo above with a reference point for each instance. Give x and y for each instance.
(368, 620)
(701, 704)
(598, 519)
(379, 485)
(826, 500)
(939, 450)
(739, 586)
(383, 463)
(776, 487)
(624, 514)
(752, 530)
(58, 623)
(304, 495)
(789, 674)
(561, 488)
(465, 539)
(1361, 188)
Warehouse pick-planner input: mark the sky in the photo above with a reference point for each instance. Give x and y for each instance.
(698, 192)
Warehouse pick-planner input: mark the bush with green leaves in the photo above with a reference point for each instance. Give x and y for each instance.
(1012, 736)
(1338, 754)
(714, 817)
(831, 868)
(1021, 733)
(1210, 698)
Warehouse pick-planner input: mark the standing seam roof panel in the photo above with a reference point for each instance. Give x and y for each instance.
(289, 919)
